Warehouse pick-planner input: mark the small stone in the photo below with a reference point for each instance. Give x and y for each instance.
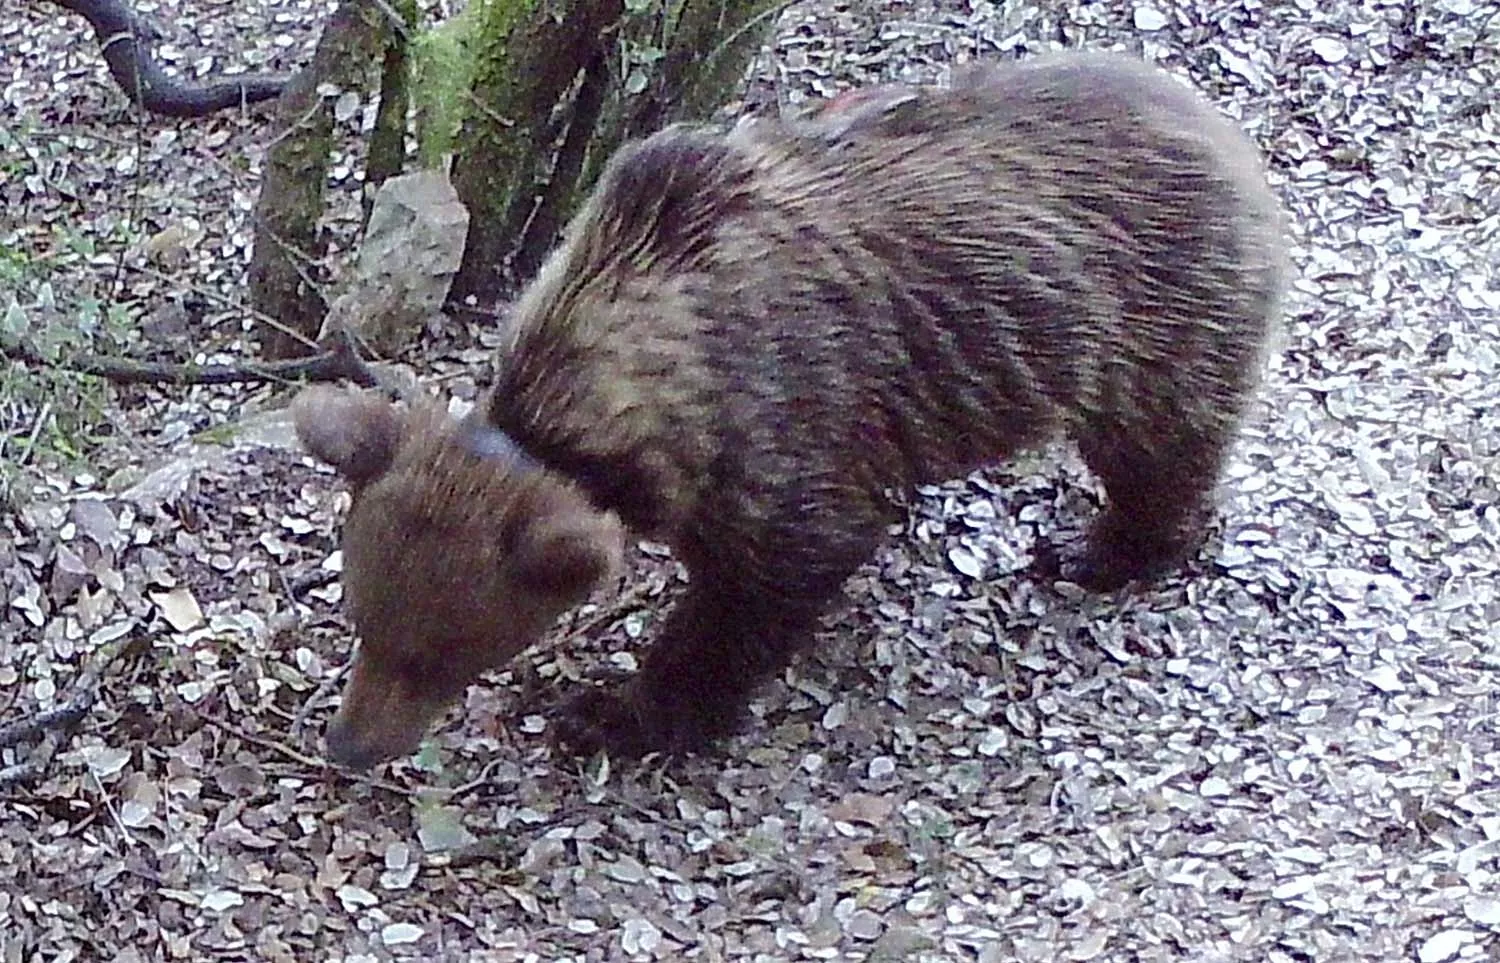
(1443, 946)
(398, 934)
(966, 561)
(1149, 19)
(1330, 50)
(640, 936)
(1483, 910)
(864, 925)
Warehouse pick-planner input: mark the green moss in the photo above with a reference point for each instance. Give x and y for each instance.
(443, 60)
(500, 128)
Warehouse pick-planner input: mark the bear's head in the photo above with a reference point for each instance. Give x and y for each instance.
(459, 551)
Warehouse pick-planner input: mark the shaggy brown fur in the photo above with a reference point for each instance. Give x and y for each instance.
(745, 340)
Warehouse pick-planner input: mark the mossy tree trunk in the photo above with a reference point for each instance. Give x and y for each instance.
(552, 88)
(558, 86)
(287, 272)
(387, 156)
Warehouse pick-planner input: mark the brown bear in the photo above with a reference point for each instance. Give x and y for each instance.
(747, 339)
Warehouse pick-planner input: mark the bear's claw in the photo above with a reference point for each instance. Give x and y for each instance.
(603, 717)
(616, 719)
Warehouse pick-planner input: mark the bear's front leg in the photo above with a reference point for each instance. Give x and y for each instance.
(748, 610)
(716, 646)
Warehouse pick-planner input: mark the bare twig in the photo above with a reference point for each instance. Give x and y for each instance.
(324, 689)
(277, 747)
(340, 362)
(30, 769)
(209, 294)
(114, 814)
(36, 432)
(126, 43)
(478, 782)
(633, 598)
(55, 724)
(314, 578)
(283, 749)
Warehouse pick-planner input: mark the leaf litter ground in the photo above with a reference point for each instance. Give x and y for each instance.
(1288, 753)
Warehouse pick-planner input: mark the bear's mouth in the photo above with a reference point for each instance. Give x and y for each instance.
(381, 717)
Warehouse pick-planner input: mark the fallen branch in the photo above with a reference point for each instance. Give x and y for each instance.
(339, 362)
(126, 43)
(322, 692)
(303, 759)
(312, 579)
(56, 724)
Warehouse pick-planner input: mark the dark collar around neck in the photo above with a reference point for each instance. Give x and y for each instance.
(617, 485)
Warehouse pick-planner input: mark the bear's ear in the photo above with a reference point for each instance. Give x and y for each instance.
(569, 553)
(354, 431)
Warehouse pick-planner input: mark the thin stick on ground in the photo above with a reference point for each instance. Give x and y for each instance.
(322, 692)
(336, 364)
(36, 432)
(56, 724)
(304, 759)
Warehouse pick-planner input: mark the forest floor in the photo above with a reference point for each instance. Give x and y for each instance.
(1287, 753)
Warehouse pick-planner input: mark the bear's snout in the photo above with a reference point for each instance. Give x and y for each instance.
(354, 749)
(381, 717)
